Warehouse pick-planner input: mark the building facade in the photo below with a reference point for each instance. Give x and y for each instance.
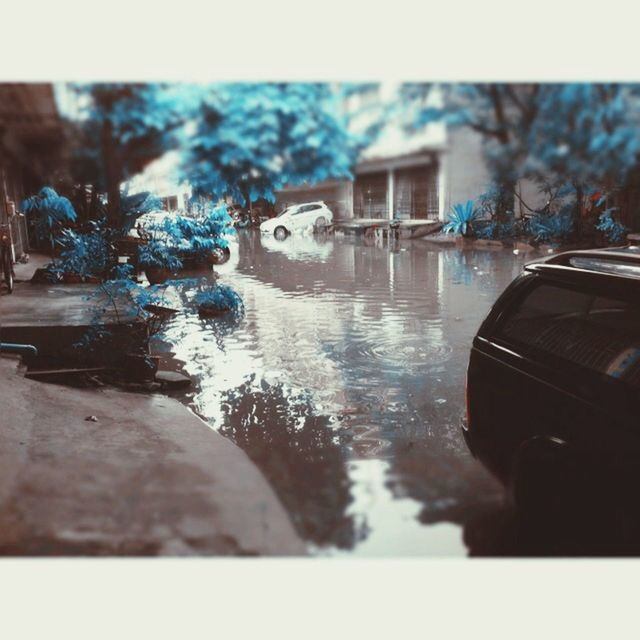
(406, 176)
(30, 137)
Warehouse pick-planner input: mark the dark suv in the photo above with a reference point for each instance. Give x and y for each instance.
(553, 384)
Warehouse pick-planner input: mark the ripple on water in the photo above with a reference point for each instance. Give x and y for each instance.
(400, 351)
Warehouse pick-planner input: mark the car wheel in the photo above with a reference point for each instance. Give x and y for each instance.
(219, 255)
(320, 222)
(280, 233)
(540, 475)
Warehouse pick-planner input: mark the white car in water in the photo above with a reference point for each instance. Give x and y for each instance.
(298, 217)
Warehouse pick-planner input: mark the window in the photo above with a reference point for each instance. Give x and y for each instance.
(307, 207)
(595, 332)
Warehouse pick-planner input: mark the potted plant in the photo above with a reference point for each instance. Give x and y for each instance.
(126, 317)
(216, 300)
(158, 260)
(200, 239)
(84, 257)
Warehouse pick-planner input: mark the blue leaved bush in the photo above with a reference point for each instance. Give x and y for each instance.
(217, 299)
(614, 231)
(461, 218)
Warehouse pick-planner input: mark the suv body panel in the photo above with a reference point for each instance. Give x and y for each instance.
(514, 394)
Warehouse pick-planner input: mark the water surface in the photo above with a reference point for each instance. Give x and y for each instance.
(344, 382)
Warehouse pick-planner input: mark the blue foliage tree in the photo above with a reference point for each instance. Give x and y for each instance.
(503, 114)
(586, 138)
(248, 140)
(124, 127)
(571, 138)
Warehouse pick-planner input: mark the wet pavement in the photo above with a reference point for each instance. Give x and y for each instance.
(344, 382)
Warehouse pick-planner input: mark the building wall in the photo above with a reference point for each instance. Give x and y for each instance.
(464, 173)
(530, 198)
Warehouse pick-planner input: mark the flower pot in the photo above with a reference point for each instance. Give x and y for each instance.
(205, 311)
(72, 278)
(157, 275)
(140, 367)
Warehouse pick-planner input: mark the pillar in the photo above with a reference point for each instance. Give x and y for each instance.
(390, 195)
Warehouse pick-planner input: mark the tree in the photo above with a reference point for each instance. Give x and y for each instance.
(503, 114)
(586, 138)
(249, 140)
(123, 128)
(572, 137)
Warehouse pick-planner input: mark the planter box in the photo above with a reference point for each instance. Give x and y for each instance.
(140, 367)
(480, 242)
(210, 312)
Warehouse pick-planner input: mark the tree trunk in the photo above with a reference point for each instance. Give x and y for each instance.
(113, 175)
(93, 204)
(505, 200)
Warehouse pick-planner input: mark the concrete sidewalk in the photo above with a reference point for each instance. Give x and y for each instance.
(147, 478)
(24, 271)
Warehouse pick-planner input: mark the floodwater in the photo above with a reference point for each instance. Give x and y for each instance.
(344, 382)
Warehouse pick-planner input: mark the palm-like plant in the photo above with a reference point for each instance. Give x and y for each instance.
(461, 218)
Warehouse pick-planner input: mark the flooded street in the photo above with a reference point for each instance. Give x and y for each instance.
(344, 382)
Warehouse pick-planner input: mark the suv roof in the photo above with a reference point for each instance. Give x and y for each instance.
(615, 261)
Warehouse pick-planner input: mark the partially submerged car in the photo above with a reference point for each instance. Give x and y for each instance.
(298, 217)
(553, 383)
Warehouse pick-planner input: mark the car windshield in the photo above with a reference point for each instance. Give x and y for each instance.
(287, 210)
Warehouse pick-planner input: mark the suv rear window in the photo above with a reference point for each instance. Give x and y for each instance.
(595, 332)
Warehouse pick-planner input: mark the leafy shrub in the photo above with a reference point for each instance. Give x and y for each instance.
(198, 236)
(495, 230)
(545, 227)
(461, 218)
(219, 298)
(158, 255)
(126, 301)
(614, 231)
(87, 254)
(48, 210)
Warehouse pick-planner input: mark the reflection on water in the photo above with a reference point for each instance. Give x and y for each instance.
(298, 448)
(344, 382)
